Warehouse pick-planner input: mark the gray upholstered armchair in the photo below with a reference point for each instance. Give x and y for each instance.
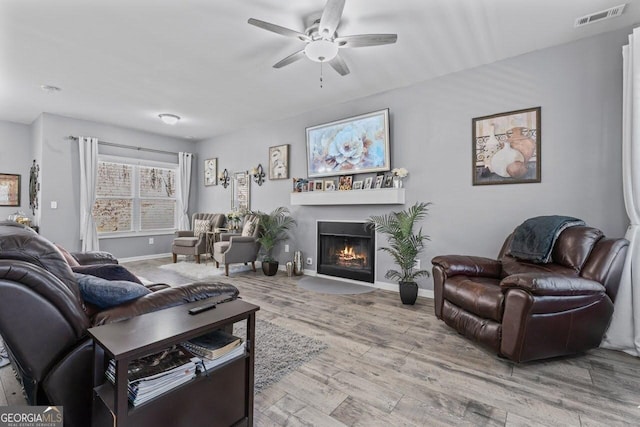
(236, 248)
(194, 241)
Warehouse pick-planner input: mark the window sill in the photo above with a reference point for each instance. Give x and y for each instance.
(135, 234)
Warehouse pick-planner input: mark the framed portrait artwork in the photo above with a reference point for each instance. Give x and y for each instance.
(368, 182)
(345, 182)
(329, 185)
(354, 145)
(379, 181)
(319, 185)
(279, 162)
(357, 185)
(211, 172)
(506, 148)
(9, 189)
(388, 180)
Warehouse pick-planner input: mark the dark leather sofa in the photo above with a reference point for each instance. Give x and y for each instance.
(524, 311)
(43, 319)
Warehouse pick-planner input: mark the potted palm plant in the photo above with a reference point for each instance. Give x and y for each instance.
(404, 246)
(273, 229)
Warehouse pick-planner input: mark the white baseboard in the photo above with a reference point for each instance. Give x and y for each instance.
(393, 287)
(144, 257)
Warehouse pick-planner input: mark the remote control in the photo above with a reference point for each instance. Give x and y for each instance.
(200, 309)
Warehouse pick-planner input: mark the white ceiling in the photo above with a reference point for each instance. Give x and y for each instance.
(125, 61)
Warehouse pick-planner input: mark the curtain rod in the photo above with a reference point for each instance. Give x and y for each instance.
(113, 144)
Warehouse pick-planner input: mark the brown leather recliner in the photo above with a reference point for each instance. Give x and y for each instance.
(525, 311)
(43, 319)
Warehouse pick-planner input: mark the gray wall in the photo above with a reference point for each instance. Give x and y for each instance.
(578, 86)
(16, 159)
(61, 182)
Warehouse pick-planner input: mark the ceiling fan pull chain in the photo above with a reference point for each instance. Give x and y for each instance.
(321, 74)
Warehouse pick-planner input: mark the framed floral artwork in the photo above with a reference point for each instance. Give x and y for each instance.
(279, 162)
(211, 172)
(9, 189)
(506, 148)
(354, 145)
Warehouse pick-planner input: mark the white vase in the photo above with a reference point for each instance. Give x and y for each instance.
(397, 182)
(504, 158)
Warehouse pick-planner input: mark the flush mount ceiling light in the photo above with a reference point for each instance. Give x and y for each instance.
(50, 89)
(170, 119)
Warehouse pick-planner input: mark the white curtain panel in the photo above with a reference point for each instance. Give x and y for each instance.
(624, 331)
(184, 171)
(88, 175)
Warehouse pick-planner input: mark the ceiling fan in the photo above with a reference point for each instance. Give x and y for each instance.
(322, 40)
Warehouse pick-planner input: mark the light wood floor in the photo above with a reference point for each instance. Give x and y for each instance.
(394, 365)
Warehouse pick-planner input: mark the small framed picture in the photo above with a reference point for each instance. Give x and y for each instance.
(346, 182)
(368, 182)
(211, 172)
(311, 185)
(357, 185)
(305, 185)
(9, 189)
(379, 181)
(329, 185)
(388, 180)
(279, 162)
(319, 185)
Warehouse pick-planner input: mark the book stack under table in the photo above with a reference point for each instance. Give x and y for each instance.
(150, 376)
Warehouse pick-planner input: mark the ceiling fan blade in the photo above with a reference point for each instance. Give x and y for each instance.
(331, 17)
(289, 59)
(364, 40)
(278, 29)
(339, 65)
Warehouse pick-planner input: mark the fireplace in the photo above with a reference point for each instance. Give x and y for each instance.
(347, 250)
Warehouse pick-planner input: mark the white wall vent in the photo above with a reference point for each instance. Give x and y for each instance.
(599, 16)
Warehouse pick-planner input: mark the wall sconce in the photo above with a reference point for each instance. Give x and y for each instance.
(224, 178)
(258, 174)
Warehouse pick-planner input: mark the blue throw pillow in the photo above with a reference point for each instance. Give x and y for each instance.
(108, 293)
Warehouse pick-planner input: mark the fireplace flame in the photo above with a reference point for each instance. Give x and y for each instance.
(349, 257)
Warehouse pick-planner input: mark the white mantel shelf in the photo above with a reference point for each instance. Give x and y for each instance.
(380, 196)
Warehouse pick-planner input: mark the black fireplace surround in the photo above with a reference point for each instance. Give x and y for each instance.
(347, 250)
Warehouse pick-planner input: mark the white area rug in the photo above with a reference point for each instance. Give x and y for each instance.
(278, 351)
(203, 271)
(328, 286)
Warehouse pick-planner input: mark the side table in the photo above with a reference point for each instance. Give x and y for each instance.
(213, 237)
(221, 397)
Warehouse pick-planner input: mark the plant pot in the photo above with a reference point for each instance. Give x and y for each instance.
(269, 268)
(408, 292)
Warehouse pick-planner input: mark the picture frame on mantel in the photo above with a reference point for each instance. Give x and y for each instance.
(279, 162)
(211, 172)
(506, 148)
(9, 189)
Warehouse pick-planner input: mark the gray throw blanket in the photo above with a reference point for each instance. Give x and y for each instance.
(533, 240)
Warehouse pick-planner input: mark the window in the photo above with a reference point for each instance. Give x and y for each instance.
(134, 196)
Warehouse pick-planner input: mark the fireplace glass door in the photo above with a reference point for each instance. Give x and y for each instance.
(346, 250)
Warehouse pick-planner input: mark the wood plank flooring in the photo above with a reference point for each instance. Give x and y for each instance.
(392, 365)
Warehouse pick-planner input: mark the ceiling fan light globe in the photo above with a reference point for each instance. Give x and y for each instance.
(321, 50)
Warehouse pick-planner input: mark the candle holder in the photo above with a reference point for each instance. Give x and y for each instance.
(258, 174)
(224, 178)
